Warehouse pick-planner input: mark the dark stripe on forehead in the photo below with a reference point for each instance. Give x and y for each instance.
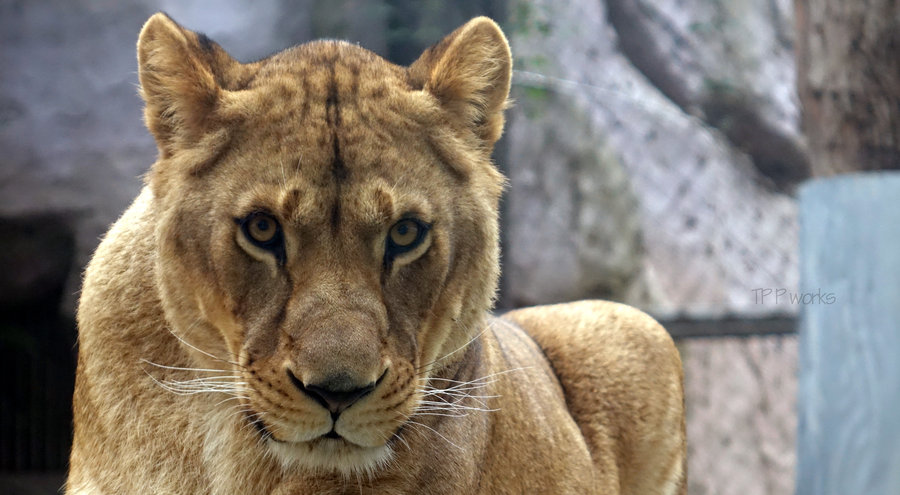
(333, 119)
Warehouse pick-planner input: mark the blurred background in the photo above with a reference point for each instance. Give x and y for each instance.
(654, 153)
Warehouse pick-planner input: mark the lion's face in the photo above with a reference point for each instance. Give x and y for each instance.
(328, 225)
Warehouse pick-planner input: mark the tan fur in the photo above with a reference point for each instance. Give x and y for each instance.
(198, 347)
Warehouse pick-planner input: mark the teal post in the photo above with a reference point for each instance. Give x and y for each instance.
(849, 378)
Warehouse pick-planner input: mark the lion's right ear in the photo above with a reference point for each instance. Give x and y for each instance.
(180, 73)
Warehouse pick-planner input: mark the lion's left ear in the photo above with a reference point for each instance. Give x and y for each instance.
(469, 72)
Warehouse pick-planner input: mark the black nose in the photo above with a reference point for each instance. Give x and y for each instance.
(332, 397)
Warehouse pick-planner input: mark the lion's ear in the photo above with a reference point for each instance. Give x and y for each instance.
(181, 73)
(469, 72)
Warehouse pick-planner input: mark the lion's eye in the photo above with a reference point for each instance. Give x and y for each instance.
(263, 231)
(261, 228)
(404, 233)
(404, 236)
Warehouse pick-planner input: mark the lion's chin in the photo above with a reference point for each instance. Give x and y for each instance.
(331, 455)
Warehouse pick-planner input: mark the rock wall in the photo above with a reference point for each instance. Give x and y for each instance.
(572, 224)
(742, 421)
(713, 226)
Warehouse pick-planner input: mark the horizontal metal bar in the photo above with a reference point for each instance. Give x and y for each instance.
(684, 328)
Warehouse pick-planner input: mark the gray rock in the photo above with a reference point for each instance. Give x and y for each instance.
(742, 415)
(729, 63)
(713, 227)
(572, 224)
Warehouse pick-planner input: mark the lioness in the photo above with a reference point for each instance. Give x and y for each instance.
(298, 300)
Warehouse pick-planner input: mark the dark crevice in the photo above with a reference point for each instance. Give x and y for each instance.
(776, 156)
(627, 20)
(773, 154)
(37, 343)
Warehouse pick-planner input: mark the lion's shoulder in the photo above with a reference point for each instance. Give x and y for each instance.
(623, 383)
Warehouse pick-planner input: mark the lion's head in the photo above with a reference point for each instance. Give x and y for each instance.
(327, 225)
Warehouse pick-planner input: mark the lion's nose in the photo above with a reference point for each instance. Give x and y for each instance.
(333, 394)
(337, 401)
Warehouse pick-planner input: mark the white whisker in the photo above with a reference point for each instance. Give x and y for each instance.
(255, 419)
(411, 422)
(201, 351)
(486, 377)
(457, 400)
(445, 356)
(440, 394)
(460, 398)
(452, 407)
(454, 393)
(398, 437)
(446, 415)
(211, 382)
(236, 397)
(179, 368)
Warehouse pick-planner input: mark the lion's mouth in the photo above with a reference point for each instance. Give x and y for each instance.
(265, 434)
(260, 426)
(330, 451)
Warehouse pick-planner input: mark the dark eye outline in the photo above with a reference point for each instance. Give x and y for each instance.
(392, 249)
(275, 245)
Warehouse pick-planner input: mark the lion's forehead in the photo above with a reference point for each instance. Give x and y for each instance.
(331, 111)
(335, 82)
(333, 130)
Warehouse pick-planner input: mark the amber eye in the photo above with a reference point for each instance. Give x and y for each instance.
(404, 236)
(263, 231)
(261, 228)
(404, 233)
